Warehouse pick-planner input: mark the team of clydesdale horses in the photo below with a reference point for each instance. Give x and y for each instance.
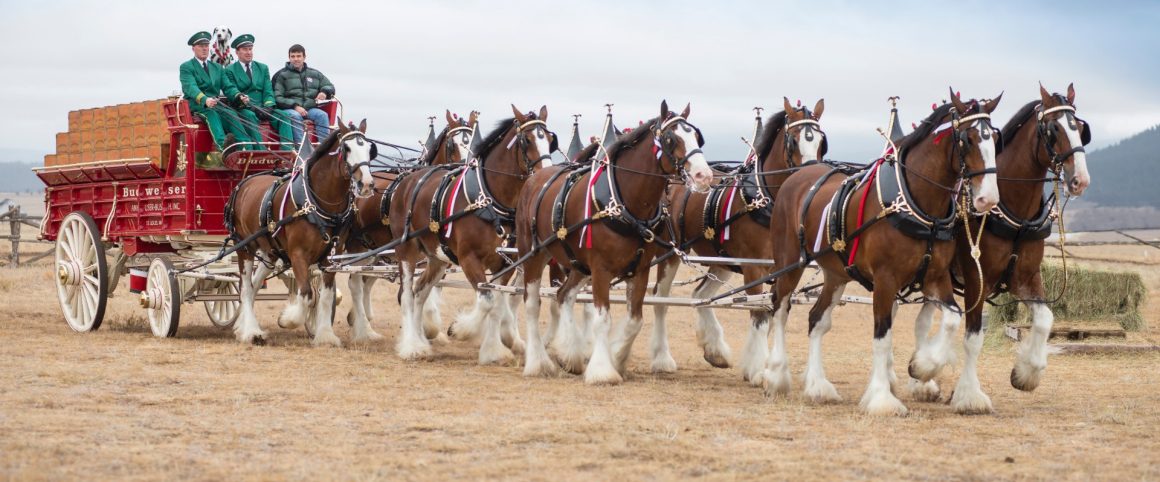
(956, 202)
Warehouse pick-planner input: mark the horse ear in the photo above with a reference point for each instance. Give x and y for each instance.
(543, 112)
(786, 105)
(1044, 96)
(819, 108)
(664, 109)
(362, 126)
(341, 126)
(519, 115)
(685, 113)
(472, 118)
(990, 106)
(958, 103)
(1071, 93)
(450, 119)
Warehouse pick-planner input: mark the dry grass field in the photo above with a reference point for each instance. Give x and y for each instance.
(120, 404)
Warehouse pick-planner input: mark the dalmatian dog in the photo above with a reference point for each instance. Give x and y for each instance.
(220, 52)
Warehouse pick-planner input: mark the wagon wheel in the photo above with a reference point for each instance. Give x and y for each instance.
(162, 298)
(82, 273)
(223, 313)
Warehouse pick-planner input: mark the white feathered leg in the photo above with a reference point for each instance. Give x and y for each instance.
(412, 344)
(662, 357)
(537, 363)
(818, 388)
(710, 335)
(247, 329)
(1031, 359)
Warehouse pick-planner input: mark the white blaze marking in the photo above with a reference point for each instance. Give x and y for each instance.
(809, 148)
(697, 162)
(1079, 159)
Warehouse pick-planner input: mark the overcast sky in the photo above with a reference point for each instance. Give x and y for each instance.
(395, 63)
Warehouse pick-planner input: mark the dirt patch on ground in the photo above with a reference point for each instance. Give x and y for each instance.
(119, 403)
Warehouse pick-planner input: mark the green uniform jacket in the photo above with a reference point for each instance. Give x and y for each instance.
(199, 86)
(260, 89)
(294, 88)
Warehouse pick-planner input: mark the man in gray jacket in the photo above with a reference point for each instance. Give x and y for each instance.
(297, 91)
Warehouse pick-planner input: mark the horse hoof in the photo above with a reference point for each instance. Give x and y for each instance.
(258, 340)
(1026, 382)
(370, 336)
(717, 360)
(326, 341)
(776, 383)
(883, 404)
(665, 364)
(965, 402)
(927, 391)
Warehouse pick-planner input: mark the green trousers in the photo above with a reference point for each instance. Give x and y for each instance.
(277, 120)
(219, 117)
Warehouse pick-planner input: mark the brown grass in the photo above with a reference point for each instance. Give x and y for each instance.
(119, 403)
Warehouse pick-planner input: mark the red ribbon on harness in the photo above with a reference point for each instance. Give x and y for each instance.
(862, 210)
(588, 203)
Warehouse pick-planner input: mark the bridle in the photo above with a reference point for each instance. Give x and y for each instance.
(808, 126)
(519, 140)
(449, 135)
(664, 145)
(1048, 138)
(982, 121)
(341, 152)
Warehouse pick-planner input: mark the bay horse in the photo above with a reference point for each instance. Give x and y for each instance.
(303, 214)
(371, 228)
(1043, 137)
(732, 220)
(917, 194)
(601, 231)
(461, 215)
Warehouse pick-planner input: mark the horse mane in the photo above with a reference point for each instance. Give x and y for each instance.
(1021, 117)
(429, 156)
(586, 153)
(768, 135)
(323, 148)
(627, 141)
(494, 137)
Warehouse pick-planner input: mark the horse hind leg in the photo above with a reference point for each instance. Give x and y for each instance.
(509, 325)
(1031, 356)
(879, 398)
(537, 363)
(662, 357)
(601, 369)
(412, 344)
(572, 351)
(968, 398)
(928, 358)
(247, 329)
(621, 344)
(323, 318)
(359, 315)
(297, 313)
(710, 335)
(432, 318)
(818, 389)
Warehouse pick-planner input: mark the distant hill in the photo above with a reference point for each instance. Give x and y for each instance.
(18, 177)
(1126, 173)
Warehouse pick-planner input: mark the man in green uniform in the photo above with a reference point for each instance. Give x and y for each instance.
(252, 80)
(201, 83)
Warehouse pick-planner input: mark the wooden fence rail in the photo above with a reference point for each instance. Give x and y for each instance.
(16, 221)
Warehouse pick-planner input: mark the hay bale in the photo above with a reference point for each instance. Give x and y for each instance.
(1091, 295)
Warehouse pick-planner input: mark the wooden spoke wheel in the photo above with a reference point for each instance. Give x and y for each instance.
(223, 313)
(162, 298)
(82, 273)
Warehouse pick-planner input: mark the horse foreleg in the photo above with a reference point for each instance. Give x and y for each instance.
(491, 348)
(662, 357)
(1031, 356)
(247, 329)
(879, 398)
(757, 355)
(323, 318)
(432, 319)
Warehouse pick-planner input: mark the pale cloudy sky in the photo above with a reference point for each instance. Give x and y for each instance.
(395, 63)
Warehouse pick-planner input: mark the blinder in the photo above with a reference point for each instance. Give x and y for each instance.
(700, 138)
(1085, 133)
(824, 148)
(554, 144)
(374, 151)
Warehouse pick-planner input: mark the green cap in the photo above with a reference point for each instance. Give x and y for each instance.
(243, 40)
(200, 37)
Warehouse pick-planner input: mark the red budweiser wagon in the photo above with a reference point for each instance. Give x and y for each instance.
(140, 189)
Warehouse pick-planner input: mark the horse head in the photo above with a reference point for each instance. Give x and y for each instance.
(1063, 137)
(457, 136)
(977, 144)
(530, 133)
(678, 148)
(358, 152)
(803, 136)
